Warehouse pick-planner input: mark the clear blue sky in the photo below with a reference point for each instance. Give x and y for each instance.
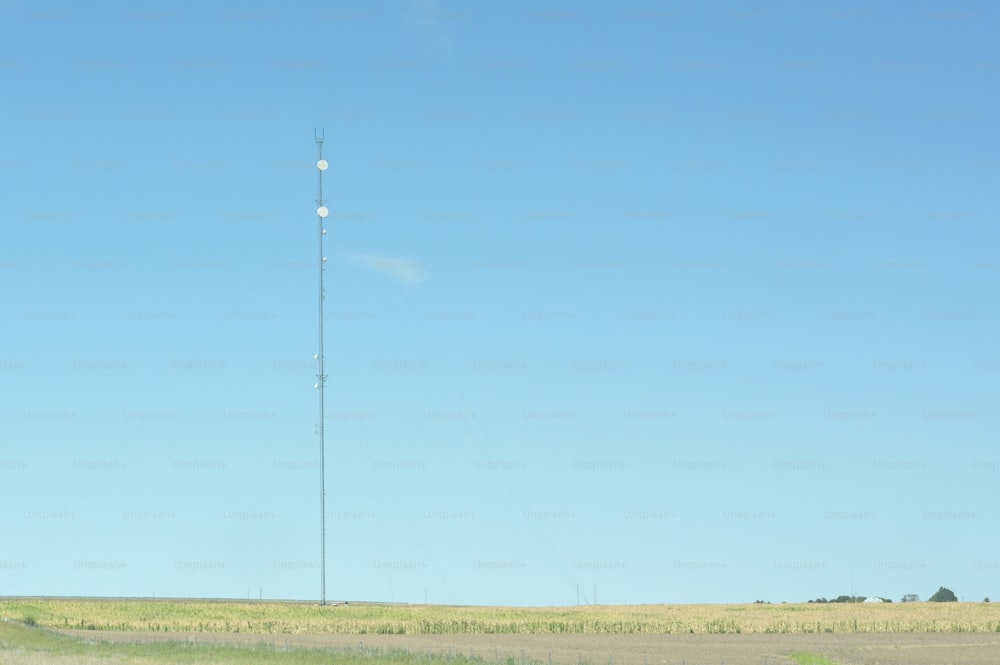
(674, 302)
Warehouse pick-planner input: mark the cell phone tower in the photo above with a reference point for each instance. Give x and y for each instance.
(322, 212)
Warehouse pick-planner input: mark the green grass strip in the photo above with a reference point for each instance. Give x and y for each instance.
(803, 658)
(50, 646)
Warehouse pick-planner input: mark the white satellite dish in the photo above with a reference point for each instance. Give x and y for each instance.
(322, 165)
(323, 212)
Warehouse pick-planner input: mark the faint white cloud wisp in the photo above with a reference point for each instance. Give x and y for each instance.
(407, 273)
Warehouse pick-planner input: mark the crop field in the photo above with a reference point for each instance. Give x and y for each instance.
(370, 619)
(155, 631)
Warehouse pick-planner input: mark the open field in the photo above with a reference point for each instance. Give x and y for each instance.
(38, 646)
(155, 631)
(285, 618)
(628, 649)
(26, 645)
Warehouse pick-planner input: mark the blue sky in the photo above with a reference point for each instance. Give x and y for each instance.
(634, 303)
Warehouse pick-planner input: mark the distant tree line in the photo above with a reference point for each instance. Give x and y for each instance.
(942, 595)
(847, 599)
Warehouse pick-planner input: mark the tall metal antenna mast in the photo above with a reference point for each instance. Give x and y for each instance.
(322, 212)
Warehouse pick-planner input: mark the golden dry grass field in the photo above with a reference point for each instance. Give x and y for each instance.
(887, 634)
(361, 619)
